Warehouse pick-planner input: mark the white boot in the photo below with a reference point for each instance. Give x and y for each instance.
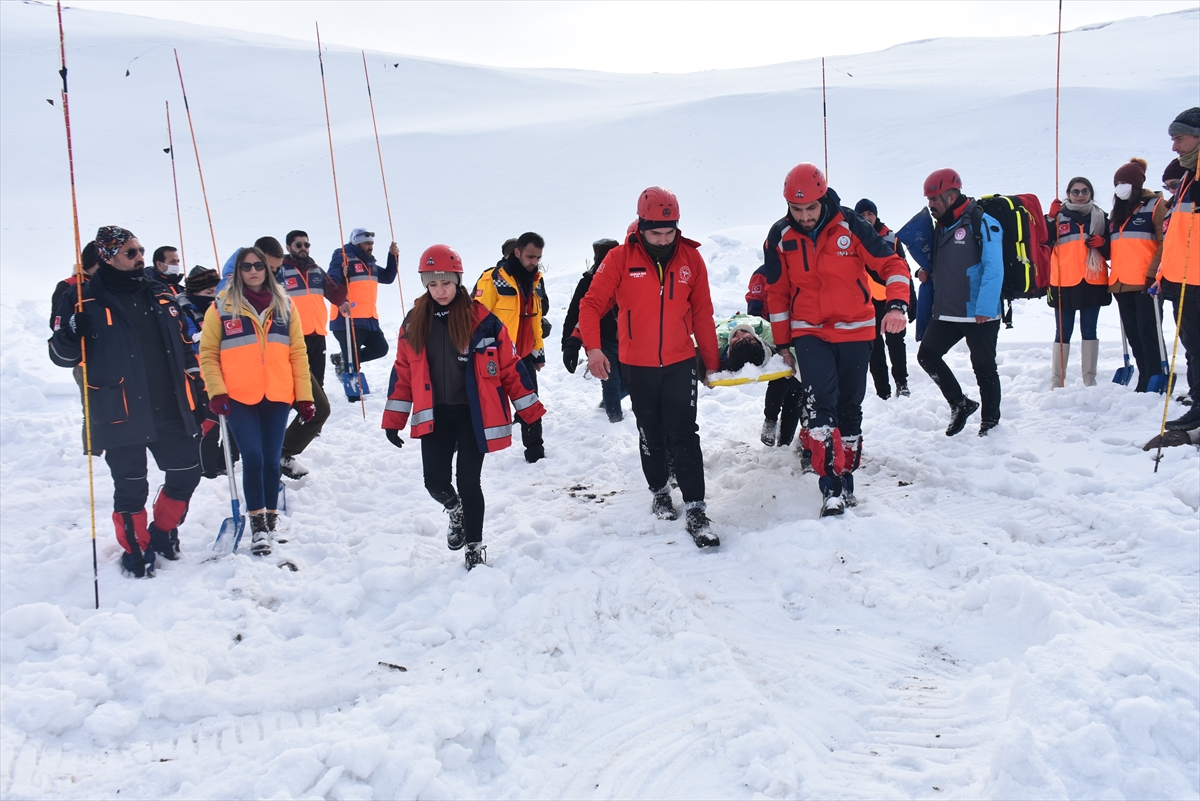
(1089, 353)
(1060, 354)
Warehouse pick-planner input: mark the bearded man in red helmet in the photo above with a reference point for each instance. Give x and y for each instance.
(818, 261)
(659, 282)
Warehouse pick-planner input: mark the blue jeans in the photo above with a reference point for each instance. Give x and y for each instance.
(258, 431)
(1087, 324)
(612, 390)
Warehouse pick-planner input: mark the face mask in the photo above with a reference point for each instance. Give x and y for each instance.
(1123, 191)
(174, 269)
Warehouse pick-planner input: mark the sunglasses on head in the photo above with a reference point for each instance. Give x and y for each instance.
(247, 266)
(1079, 192)
(133, 253)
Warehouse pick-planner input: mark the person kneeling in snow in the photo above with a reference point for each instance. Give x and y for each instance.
(746, 339)
(456, 372)
(144, 391)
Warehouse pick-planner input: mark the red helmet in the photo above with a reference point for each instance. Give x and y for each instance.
(942, 180)
(658, 204)
(440, 259)
(805, 183)
(632, 228)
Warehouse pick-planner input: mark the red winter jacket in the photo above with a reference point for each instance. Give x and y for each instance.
(658, 316)
(494, 377)
(822, 289)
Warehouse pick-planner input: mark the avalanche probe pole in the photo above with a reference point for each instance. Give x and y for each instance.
(79, 279)
(1062, 346)
(382, 177)
(199, 169)
(175, 181)
(341, 236)
(825, 119)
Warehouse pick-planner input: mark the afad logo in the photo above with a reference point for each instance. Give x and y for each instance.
(233, 327)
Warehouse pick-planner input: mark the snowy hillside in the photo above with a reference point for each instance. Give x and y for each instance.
(1011, 617)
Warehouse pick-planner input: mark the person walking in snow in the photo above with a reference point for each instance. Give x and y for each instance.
(659, 282)
(1078, 234)
(817, 259)
(254, 362)
(1135, 247)
(200, 289)
(514, 291)
(1178, 277)
(967, 261)
(144, 392)
(354, 268)
(887, 344)
(611, 388)
(455, 375)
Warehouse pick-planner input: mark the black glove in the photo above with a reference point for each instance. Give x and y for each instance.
(546, 328)
(571, 353)
(394, 437)
(79, 325)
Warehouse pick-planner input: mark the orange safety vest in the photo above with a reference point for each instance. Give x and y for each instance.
(256, 358)
(1133, 245)
(1068, 260)
(308, 296)
(1181, 242)
(362, 291)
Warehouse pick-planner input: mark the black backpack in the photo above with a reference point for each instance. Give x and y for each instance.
(1026, 255)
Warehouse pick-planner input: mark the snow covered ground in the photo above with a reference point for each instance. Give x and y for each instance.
(1015, 616)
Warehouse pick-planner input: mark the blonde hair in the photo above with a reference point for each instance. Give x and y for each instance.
(234, 295)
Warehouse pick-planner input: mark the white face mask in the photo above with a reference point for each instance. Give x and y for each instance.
(1123, 191)
(174, 269)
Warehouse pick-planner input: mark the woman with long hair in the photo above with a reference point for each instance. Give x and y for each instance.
(255, 365)
(1078, 277)
(456, 379)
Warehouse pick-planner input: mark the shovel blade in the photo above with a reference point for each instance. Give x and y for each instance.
(1123, 375)
(230, 534)
(1158, 383)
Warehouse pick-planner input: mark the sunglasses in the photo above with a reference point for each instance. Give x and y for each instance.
(300, 245)
(1079, 193)
(133, 253)
(256, 266)
(1171, 186)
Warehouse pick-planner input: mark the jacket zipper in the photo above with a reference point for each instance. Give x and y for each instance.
(662, 310)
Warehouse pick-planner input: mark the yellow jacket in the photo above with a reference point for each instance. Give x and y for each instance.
(248, 356)
(498, 291)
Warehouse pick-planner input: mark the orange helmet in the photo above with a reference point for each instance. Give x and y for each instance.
(804, 183)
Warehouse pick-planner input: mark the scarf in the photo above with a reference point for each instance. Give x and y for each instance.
(259, 299)
(1188, 162)
(1096, 227)
(127, 281)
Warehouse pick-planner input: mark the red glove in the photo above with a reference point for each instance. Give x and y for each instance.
(1055, 207)
(306, 410)
(1095, 242)
(219, 404)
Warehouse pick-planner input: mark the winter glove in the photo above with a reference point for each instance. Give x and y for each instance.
(571, 354)
(546, 328)
(306, 410)
(394, 437)
(79, 325)
(1095, 242)
(1055, 208)
(219, 404)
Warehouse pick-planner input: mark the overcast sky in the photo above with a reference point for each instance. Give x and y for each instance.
(645, 36)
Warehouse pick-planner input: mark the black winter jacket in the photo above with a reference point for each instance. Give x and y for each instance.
(608, 323)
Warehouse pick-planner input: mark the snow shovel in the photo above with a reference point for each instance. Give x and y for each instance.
(1158, 383)
(1124, 374)
(232, 528)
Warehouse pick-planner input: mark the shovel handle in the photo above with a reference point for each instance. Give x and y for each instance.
(233, 493)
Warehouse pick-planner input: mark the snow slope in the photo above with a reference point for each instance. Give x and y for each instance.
(1009, 617)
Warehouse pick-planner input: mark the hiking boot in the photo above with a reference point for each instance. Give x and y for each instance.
(138, 565)
(164, 542)
(700, 527)
(336, 359)
(1189, 420)
(848, 498)
(805, 459)
(456, 538)
(662, 507)
(476, 555)
(884, 394)
(769, 433)
(292, 468)
(959, 414)
(1184, 400)
(902, 391)
(260, 537)
(616, 417)
(831, 491)
(986, 426)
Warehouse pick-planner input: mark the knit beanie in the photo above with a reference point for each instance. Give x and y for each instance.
(1174, 171)
(431, 276)
(360, 235)
(1133, 173)
(1187, 123)
(865, 205)
(200, 279)
(600, 249)
(109, 240)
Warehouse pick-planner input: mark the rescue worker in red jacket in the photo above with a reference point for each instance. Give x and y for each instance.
(659, 282)
(456, 372)
(816, 260)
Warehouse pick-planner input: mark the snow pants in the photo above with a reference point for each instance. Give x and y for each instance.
(1189, 337)
(1142, 332)
(531, 433)
(785, 398)
(834, 375)
(299, 435)
(664, 403)
(372, 345)
(258, 430)
(887, 346)
(454, 431)
(175, 452)
(940, 337)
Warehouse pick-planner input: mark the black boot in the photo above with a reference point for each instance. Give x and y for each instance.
(455, 536)
(986, 426)
(164, 542)
(699, 526)
(902, 391)
(336, 358)
(662, 507)
(476, 555)
(831, 491)
(260, 540)
(1189, 420)
(959, 414)
(770, 430)
(848, 490)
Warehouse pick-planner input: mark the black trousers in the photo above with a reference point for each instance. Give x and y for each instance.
(785, 397)
(531, 433)
(453, 431)
(896, 351)
(834, 375)
(940, 337)
(664, 403)
(372, 345)
(1189, 337)
(1142, 332)
(176, 454)
(315, 343)
(299, 435)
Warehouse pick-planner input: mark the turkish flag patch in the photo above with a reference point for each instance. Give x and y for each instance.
(233, 327)
(291, 283)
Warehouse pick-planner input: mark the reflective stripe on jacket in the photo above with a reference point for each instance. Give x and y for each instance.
(306, 288)
(252, 357)
(1068, 259)
(1135, 245)
(496, 378)
(1181, 242)
(500, 293)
